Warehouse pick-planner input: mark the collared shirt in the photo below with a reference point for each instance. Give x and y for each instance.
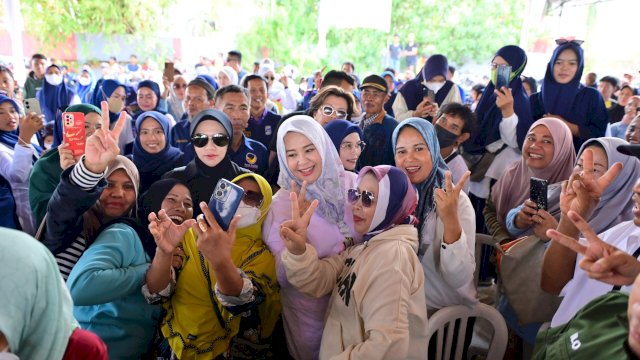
(581, 289)
(263, 128)
(251, 155)
(181, 139)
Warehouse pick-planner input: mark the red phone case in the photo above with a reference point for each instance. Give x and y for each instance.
(74, 135)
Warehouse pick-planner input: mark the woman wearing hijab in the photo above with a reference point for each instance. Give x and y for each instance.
(152, 151)
(105, 282)
(211, 134)
(412, 100)
(615, 206)
(85, 85)
(377, 307)
(17, 155)
(308, 160)
(175, 100)
(46, 172)
(347, 138)
(55, 95)
(230, 272)
(227, 76)
(446, 219)
(114, 93)
(547, 153)
(562, 95)
(36, 320)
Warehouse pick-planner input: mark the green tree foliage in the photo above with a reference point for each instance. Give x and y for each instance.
(465, 31)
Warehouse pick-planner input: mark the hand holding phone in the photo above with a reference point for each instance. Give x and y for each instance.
(74, 132)
(538, 192)
(169, 71)
(224, 202)
(503, 76)
(33, 105)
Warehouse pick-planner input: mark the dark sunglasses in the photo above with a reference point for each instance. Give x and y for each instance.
(328, 111)
(270, 77)
(253, 198)
(367, 197)
(565, 41)
(201, 140)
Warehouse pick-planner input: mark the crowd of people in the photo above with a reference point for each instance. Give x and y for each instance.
(362, 198)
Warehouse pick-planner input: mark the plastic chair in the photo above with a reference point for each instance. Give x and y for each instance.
(481, 239)
(443, 322)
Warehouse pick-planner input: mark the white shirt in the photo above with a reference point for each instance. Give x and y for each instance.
(582, 289)
(15, 166)
(458, 167)
(453, 282)
(401, 111)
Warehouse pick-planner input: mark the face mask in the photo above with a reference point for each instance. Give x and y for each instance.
(249, 215)
(494, 76)
(445, 137)
(53, 79)
(84, 81)
(434, 86)
(115, 105)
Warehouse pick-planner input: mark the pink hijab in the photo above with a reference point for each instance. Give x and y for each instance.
(512, 189)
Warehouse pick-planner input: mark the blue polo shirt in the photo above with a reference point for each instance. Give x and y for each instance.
(181, 138)
(263, 128)
(251, 155)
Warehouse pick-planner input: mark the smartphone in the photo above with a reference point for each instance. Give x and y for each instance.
(33, 105)
(538, 192)
(504, 74)
(224, 202)
(74, 135)
(428, 94)
(169, 71)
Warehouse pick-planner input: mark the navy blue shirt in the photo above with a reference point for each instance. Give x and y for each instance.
(251, 155)
(181, 138)
(263, 129)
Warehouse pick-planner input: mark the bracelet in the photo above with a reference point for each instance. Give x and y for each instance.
(23, 143)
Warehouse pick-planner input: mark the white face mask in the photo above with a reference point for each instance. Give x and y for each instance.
(53, 79)
(434, 86)
(84, 81)
(249, 215)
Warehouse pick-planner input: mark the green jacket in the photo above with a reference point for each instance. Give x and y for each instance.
(44, 179)
(31, 86)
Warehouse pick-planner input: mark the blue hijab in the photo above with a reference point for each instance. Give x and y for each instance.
(413, 90)
(426, 202)
(84, 90)
(9, 138)
(102, 92)
(210, 80)
(162, 162)
(558, 98)
(489, 115)
(340, 129)
(54, 98)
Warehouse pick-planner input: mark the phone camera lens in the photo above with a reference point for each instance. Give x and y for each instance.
(219, 193)
(223, 186)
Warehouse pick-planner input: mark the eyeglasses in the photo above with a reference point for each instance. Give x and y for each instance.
(367, 197)
(565, 41)
(179, 86)
(328, 111)
(349, 146)
(201, 140)
(270, 78)
(253, 198)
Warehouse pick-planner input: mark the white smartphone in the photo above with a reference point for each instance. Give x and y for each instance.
(32, 105)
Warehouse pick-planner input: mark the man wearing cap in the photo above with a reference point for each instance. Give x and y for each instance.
(376, 125)
(563, 273)
(199, 96)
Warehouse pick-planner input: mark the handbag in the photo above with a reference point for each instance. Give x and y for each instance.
(520, 269)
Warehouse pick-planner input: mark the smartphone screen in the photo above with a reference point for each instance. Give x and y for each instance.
(169, 71)
(224, 202)
(504, 73)
(538, 192)
(74, 134)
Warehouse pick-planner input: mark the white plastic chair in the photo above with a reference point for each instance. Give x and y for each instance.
(443, 322)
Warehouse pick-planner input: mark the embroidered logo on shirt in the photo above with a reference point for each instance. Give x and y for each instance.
(267, 130)
(251, 158)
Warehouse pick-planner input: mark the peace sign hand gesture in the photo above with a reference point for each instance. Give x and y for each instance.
(601, 261)
(303, 203)
(447, 198)
(294, 231)
(102, 147)
(166, 233)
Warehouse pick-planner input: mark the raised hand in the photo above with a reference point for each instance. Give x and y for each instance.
(166, 233)
(29, 125)
(582, 192)
(447, 198)
(214, 243)
(102, 147)
(294, 231)
(601, 261)
(303, 203)
(66, 156)
(543, 221)
(504, 101)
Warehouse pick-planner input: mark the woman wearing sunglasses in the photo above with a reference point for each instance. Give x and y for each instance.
(308, 160)
(562, 95)
(377, 308)
(447, 220)
(347, 138)
(224, 303)
(211, 133)
(152, 152)
(331, 103)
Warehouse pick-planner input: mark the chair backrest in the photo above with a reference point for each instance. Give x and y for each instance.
(442, 325)
(481, 239)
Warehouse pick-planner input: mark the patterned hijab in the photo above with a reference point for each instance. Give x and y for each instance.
(328, 189)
